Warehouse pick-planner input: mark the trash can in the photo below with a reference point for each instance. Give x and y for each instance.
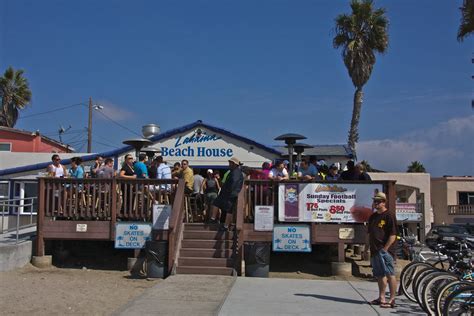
(257, 259)
(156, 259)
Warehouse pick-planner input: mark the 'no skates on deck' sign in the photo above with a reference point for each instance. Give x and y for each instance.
(132, 235)
(291, 238)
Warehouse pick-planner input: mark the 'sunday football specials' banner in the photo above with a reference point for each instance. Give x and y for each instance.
(328, 203)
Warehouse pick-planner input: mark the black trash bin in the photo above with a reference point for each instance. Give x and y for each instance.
(156, 259)
(257, 259)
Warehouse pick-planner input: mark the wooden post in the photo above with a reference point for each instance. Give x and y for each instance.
(113, 215)
(40, 217)
(341, 255)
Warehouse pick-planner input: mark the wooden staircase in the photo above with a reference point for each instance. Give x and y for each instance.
(205, 250)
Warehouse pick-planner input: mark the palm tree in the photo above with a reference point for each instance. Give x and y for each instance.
(416, 167)
(360, 35)
(15, 94)
(467, 20)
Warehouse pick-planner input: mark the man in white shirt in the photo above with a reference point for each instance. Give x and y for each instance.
(278, 172)
(163, 172)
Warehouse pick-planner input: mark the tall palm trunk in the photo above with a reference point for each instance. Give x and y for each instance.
(354, 130)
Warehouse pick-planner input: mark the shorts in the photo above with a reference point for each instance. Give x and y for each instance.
(210, 197)
(382, 264)
(226, 204)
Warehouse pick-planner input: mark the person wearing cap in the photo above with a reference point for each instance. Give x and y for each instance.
(382, 229)
(333, 174)
(140, 168)
(211, 187)
(227, 198)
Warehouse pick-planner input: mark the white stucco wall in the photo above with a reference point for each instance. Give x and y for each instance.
(417, 180)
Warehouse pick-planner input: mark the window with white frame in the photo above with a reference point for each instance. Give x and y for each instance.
(466, 198)
(27, 195)
(5, 147)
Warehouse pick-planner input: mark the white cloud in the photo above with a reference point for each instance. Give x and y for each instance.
(113, 111)
(447, 148)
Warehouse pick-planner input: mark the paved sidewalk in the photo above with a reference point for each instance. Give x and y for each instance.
(214, 295)
(182, 295)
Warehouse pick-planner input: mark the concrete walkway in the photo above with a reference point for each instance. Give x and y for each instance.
(214, 295)
(15, 254)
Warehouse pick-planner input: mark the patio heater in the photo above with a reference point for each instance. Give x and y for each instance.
(137, 144)
(290, 140)
(299, 149)
(150, 152)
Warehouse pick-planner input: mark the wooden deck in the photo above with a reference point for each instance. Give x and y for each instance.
(88, 209)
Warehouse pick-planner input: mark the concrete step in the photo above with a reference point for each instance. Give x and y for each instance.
(207, 235)
(204, 262)
(201, 227)
(206, 253)
(204, 270)
(208, 244)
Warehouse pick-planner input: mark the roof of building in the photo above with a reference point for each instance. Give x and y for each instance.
(322, 150)
(154, 139)
(36, 133)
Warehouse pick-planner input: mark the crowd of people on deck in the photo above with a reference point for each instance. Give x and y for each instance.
(202, 181)
(207, 185)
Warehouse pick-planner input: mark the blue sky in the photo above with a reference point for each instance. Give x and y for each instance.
(257, 68)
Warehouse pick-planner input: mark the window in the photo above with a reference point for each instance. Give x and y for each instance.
(5, 147)
(4, 195)
(28, 192)
(466, 198)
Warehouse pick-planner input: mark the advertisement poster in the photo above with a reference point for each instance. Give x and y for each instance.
(263, 218)
(327, 202)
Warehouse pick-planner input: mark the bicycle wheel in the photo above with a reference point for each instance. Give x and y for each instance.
(421, 283)
(445, 291)
(430, 291)
(460, 302)
(414, 286)
(407, 275)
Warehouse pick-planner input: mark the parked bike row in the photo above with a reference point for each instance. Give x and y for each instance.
(442, 284)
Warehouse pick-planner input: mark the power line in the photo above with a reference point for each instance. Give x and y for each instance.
(104, 144)
(117, 123)
(104, 139)
(51, 111)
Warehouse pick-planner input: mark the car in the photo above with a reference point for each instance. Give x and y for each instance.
(446, 233)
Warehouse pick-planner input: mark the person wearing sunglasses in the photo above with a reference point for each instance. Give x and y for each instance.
(56, 169)
(382, 236)
(127, 170)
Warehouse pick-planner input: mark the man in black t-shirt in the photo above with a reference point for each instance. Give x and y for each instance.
(382, 236)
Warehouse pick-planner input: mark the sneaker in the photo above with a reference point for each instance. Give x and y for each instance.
(212, 221)
(223, 229)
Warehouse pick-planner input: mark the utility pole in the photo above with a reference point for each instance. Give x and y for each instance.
(89, 128)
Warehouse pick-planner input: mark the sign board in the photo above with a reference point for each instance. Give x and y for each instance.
(81, 228)
(291, 238)
(132, 235)
(161, 216)
(408, 212)
(326, 202)
(263, 218)
(346, 233)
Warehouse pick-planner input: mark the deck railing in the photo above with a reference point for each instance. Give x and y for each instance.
(104, 199)
(461, 209)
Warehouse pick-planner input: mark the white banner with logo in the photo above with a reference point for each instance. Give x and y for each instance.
(328, 203)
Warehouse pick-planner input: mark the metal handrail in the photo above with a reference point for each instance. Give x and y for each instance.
(12, 204)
